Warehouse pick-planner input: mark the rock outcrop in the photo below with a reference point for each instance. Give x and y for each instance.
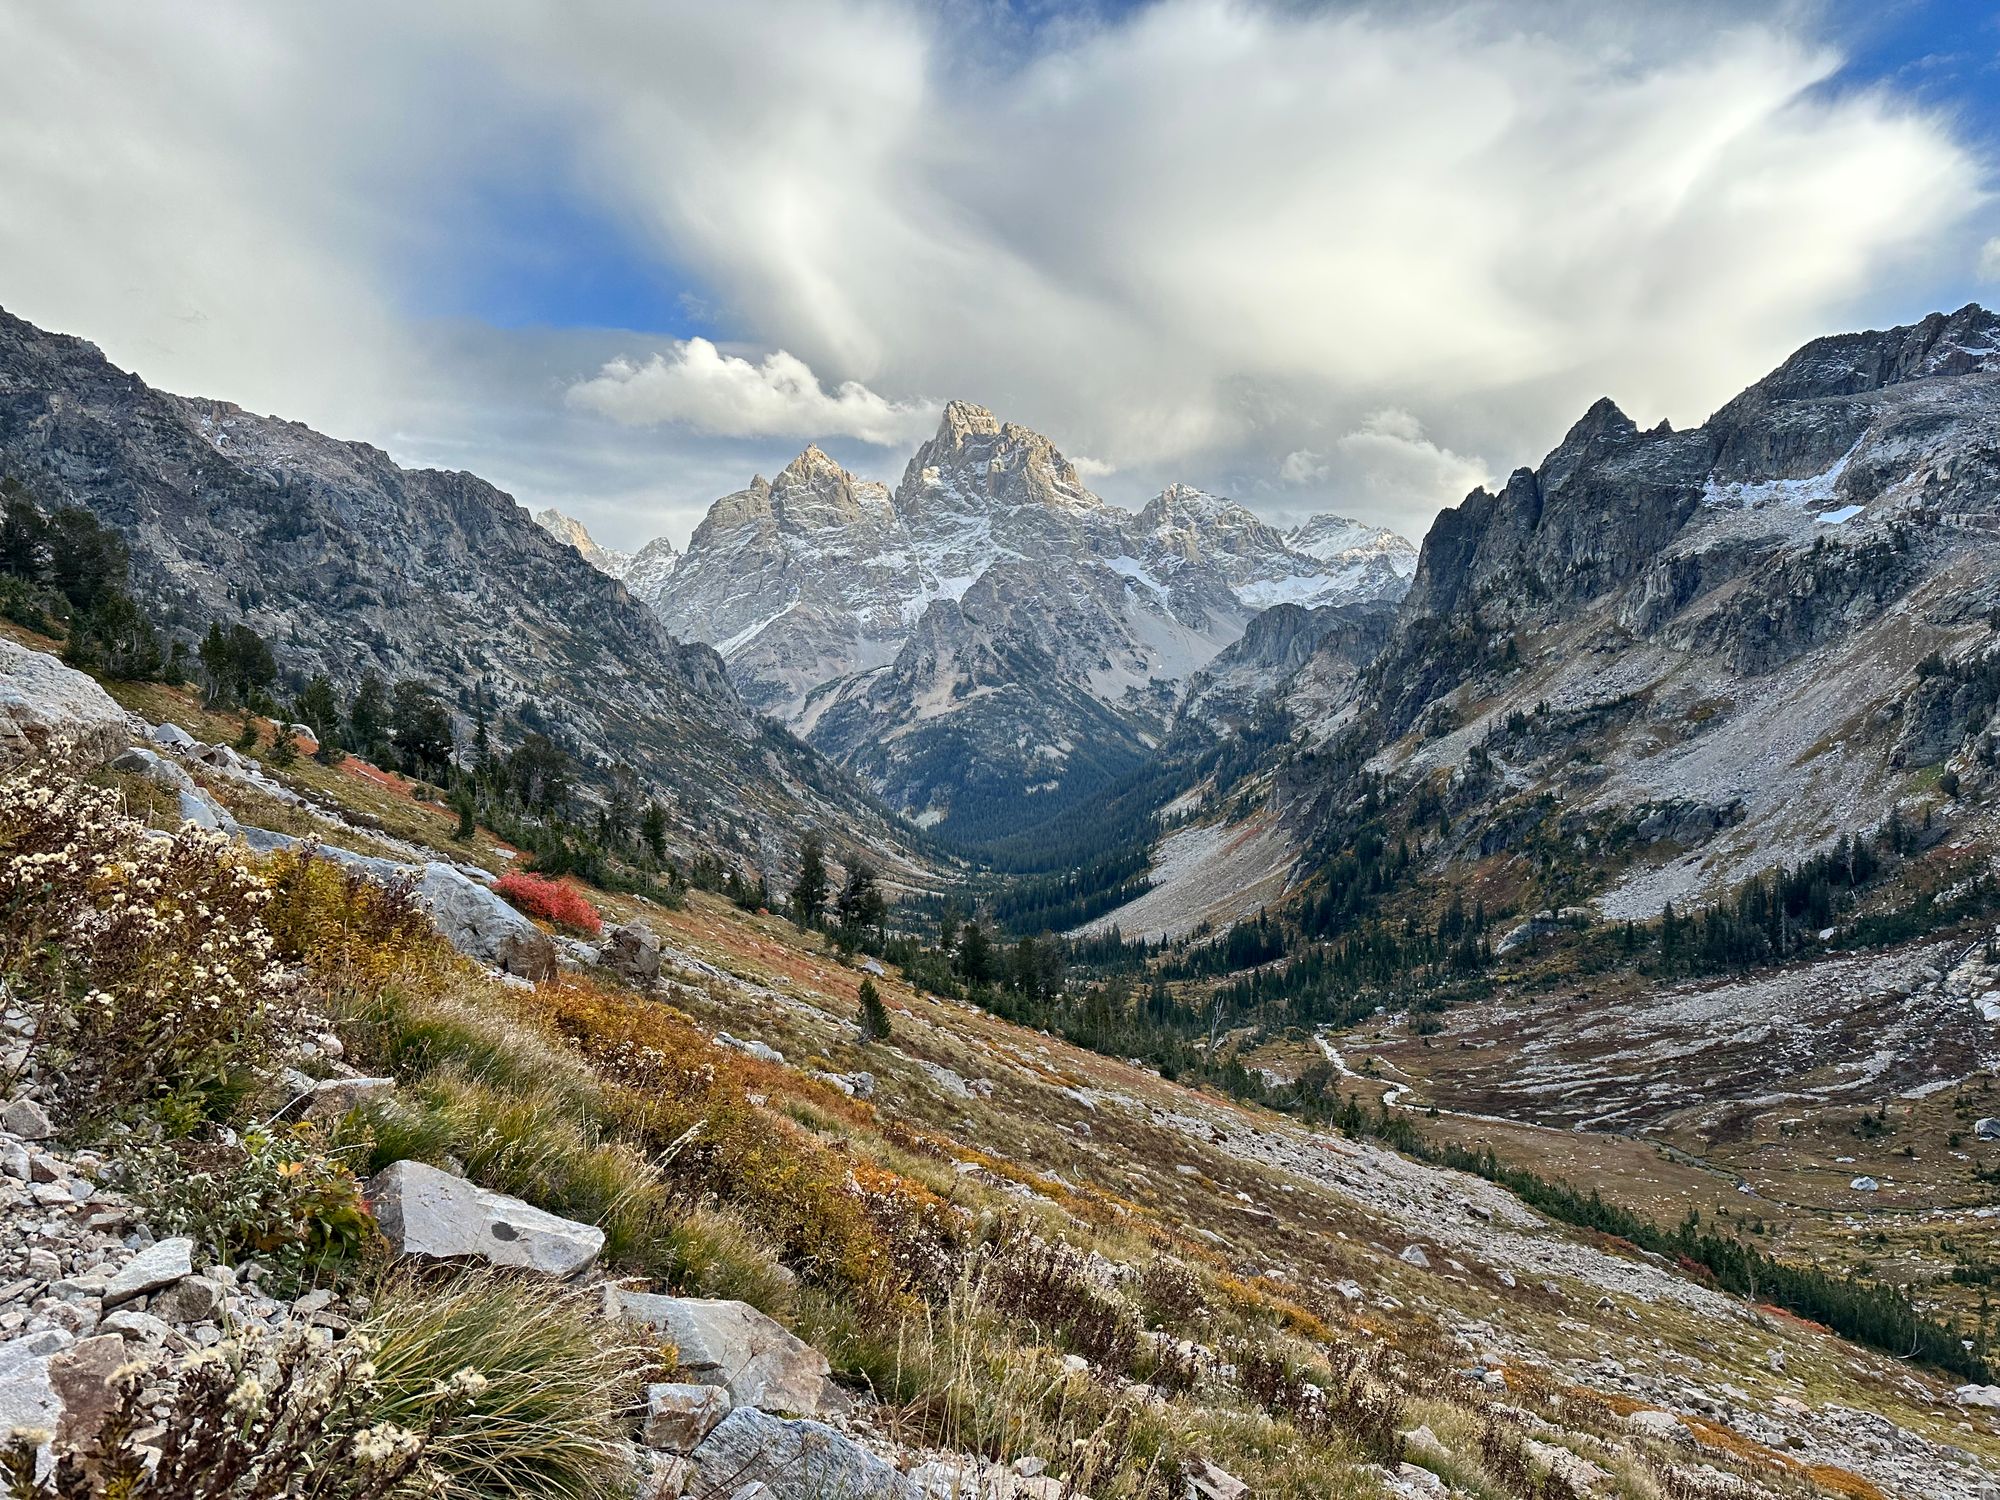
(50, 711)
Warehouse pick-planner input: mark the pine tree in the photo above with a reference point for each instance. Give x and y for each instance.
(874, 1014)
(810, 892)
(284, 746)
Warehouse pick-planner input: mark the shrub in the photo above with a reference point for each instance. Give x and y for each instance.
(545, 1423)
(143, 964)
(550, 901)
(274, 1195)
(248, 1421)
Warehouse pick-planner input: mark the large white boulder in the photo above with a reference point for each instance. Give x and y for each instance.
(480, 924)
(425, 1212)
(48, 710)
(732, 1345)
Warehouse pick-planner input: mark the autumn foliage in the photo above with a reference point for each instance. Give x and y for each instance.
(551, 901)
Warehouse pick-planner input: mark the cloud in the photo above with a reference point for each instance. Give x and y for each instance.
(1989, 260)
(1195, 239)
(697, 384)
(1091, 468)
(1391, 467)
(1302, 466)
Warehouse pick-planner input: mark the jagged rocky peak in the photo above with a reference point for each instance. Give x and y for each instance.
(569, 530)
(977, 462)
(1340, 539)
(650, 568)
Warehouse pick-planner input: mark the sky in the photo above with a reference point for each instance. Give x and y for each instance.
(617, 257)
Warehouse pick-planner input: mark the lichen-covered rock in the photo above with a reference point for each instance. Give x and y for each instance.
(679, 1416)
(48, 710)
(632, 950)
(432, 1214)
(798, 1460)
(732, 1345)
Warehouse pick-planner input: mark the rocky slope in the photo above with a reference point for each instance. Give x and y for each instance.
(347, 563)
(990, 641)
(1783, 616)
(1150, 1289)
(1694, 656)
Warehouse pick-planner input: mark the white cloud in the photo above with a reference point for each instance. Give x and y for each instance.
(1989, 260)
(1303, 466)
(1391, 467)
(1204, 238)
(1091, 468)
(697, 384)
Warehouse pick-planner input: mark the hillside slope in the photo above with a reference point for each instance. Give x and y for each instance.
(347, 563)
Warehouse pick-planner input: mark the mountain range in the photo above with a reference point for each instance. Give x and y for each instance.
(989, 642)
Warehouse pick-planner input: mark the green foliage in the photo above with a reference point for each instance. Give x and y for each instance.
(874, 1014)
(236, 665)
(810, 891)
(275, 1195)
(69, 574)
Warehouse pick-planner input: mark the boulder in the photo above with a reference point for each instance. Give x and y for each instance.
(679, 1416)
(1977, 1395)
(330, 1098)
(633, 951)
(428, 1213)
(28, 1397)
(172, 736)
(1865, 1185)
(732, 1345)
(139, 761)
(152, 1268)
(482, 926)
(81, 1378)
(50, 711)
(1987, 1129)
(1207, 1481)
(192, 1299)
(1652, 1423)
(26, 1120)
(798, 1461)
(202, 810)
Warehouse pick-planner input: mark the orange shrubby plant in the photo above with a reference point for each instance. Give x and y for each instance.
(550, 900)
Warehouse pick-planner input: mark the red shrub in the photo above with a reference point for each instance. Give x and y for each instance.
(551, 901)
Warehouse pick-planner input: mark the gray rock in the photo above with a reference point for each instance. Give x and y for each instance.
(81, 1379)
(137, 1327)
(140, 761)
(1865, 1185)
(202, 810)
(632, 950)
(26, 1120)
(1987, 1129)
(428, 1213)
(732, 1345)
(481, 925)
(192, 1299)
(172, 736)
(679, 1416)
(1208, 1481)
(50, 711)
(798, 1460)
(159, 1265)
(28, 1398)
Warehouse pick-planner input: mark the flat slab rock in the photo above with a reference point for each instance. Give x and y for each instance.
(732, 1345)
(798, 1460)
(429, 1213)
